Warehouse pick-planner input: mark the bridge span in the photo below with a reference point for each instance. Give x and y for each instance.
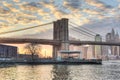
(94, 43)
(54, 42)
(60, 39)
(28, 40)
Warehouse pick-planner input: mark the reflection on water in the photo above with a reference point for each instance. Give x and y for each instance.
(107, 71)
(60, 72)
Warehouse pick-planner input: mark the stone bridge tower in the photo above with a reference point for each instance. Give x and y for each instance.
(60, 32)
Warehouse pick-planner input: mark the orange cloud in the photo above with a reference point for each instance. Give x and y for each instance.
(16, 0)
(91, 12)
(96, 4)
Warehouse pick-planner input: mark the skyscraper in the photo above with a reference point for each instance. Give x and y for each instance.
(113, 37)
(98, 48)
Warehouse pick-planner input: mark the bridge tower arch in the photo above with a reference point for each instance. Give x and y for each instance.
(61, 33)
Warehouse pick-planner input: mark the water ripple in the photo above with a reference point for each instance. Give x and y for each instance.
(108, 71)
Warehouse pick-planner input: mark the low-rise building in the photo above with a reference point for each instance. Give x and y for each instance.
(7, 51)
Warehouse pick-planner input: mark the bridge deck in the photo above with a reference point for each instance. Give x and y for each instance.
(54, 42)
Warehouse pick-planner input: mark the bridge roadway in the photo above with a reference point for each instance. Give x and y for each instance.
(28, 40)
(53, 42)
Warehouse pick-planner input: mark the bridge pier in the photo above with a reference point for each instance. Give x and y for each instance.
(60, 32)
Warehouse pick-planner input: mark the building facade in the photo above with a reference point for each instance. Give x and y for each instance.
(97, 49)
(113, 37)
(8, 51)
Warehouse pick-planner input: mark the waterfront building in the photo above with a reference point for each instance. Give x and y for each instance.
(7, 51)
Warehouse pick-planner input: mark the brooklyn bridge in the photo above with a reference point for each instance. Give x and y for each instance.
(60, 39)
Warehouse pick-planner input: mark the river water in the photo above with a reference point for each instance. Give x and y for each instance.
(110, 70)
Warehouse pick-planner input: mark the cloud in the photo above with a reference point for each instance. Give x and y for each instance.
(96, 3)
(74, 4)
(32, 6)
(5, 3)
(104, 26)
(47, 1)
(16, 1)
(4, 10)
(93, 12)
(23, 12)
(12, 14)
(45, 10)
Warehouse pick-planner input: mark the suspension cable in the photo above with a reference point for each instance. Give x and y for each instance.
(25, 28)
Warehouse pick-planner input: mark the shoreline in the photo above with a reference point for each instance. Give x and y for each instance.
(99, 61)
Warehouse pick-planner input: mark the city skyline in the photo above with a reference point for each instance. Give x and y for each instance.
(46, 50)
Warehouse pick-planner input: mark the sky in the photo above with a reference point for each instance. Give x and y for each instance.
(17, 14)
(99, 16)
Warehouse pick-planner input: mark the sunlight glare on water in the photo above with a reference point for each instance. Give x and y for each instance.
(108, 71)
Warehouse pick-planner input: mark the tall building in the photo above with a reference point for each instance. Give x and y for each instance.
(113, 37)
(97, 49)
(8, 51)
(117, 37)
(108, 37)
